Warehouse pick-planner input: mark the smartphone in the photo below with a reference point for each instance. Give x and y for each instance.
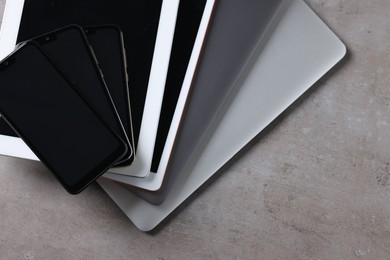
(69, 49)
(53, 118)
(108, 46)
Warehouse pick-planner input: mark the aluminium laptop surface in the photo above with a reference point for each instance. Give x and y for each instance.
(147, 26)
(300, 50)
(229, 43)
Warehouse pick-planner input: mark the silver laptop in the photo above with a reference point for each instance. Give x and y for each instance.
(291, 61)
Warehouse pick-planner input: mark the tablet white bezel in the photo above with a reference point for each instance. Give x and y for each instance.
(153, 180)
(9, 145)
(155, 93)
(10, 26)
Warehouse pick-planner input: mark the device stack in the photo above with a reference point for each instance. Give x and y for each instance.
(151, 98)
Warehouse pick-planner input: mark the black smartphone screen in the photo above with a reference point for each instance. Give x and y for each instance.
(138, 19)
(69, 50)
(50, 115)
(108, 46)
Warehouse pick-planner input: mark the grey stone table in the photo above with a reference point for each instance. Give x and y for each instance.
(314, 185)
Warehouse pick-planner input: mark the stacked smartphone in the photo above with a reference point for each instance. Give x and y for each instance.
(175, 88)
(73, 83)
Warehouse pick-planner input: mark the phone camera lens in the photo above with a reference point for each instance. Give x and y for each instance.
(6, 63)
(47, 38)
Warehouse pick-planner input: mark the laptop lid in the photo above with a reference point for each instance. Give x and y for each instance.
(290, 62)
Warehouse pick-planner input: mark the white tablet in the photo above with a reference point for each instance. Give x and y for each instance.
(148, 28)
(187, 45)
(300, 50)
(192, 22)
(155, 93)
(230, 41)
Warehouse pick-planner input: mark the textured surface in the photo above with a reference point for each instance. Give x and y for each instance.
(314, 185)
